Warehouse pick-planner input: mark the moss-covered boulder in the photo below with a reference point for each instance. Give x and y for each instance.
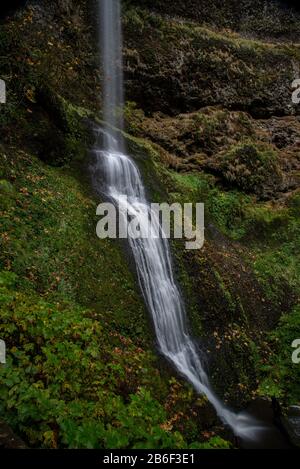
(252, 168)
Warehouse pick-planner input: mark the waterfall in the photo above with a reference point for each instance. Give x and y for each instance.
(124, 187)
(110, 39)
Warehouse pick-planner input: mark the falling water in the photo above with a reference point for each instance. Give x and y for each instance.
(110, 39)
(123, 185)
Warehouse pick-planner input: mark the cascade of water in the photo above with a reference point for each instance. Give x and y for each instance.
(110, 38)
(123, 185)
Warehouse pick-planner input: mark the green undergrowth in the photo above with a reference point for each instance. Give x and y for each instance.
(251, 168)
(268, 234)
(236, 214)
(271, 235)
(249, 18)
(271, 231)
(72, 381)
(80, 371)
(281, 377)
(49, 240)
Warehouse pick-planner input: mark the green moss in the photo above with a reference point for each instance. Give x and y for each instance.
(6, 187)
(252, 168)
(71, 379)
(213, 443)
(69, 302)
(133, 117)
(270, 233)
(53, 232)
(210, 130)
(226, 209)
(225, 68)
(248, 17)
(71, 136)
(277, 257)
(294, 204)
(147, 158)
(7, 193)
(281, 377)
(227, 294)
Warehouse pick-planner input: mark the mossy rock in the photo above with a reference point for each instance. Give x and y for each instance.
(6, 187)
(184, 67)
(256, 17)
(65, 135)
(7, 194)
(252, 168)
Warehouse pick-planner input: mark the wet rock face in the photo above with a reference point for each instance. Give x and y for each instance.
(261, 18)
(259, 157)
(291, 424)
(174, 67)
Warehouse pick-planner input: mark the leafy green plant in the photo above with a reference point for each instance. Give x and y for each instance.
(281, 375)
(61, 384)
